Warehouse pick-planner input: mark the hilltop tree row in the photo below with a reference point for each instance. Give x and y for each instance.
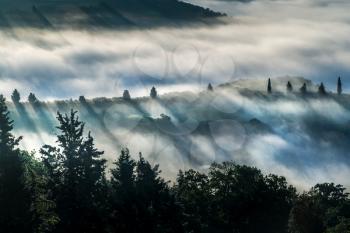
(303, 88)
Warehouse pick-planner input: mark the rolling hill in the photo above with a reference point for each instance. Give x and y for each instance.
(110, 14)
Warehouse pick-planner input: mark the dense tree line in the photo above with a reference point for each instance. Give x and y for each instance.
(67, 188)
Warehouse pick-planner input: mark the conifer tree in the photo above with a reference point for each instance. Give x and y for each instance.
(123, 194)
(303, 89)
(24, 206)
(15, 96)
(76, 176)
(153, 93)
(322, 89)
(155, 200)
(210, 87)
(289, 87)
(339, 87)
(126, 95)
(269, 87)
(32, 98)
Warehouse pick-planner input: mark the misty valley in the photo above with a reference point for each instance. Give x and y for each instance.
(174, 116)
(301, 136)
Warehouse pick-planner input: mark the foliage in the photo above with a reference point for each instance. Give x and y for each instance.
(16, 97)
(32, 98)
(153, 93)
(126, 95)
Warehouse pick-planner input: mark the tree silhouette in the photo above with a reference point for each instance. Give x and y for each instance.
(24, 206)
(123, 194)
(126, 95)
(324, 207)
(76, 176)
(322, 89)
(303, 88)
(15, 96)
(339, 86)
(289, 87)
(32, 98)
(153, 93)
(82, 99)
(269, 87)
(155, 200)
(210, 87)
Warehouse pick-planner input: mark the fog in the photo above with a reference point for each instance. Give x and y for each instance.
(260, 39)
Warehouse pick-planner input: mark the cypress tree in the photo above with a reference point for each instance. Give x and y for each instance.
(269, 87)
(339, 86)
(289, 87)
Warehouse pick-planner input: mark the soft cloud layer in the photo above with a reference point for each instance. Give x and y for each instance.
(261, 39)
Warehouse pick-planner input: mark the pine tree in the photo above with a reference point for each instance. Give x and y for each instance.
(24, 206)
(303, 89)
(153, 93)
(339, 87)
(76, 176)
(289, 87)
(210, 87)
(126, 95)
(322, 89)
(269, 87)
(123, 194)
(15, 96)
(155, 200)
(32, 98)
(7, 141)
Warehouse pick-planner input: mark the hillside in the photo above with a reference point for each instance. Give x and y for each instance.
(102, 14)
(289, 133)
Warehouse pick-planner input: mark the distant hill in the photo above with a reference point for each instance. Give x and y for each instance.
(102, 14)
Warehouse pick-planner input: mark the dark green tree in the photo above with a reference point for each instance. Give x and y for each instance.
(303, 89)
(82, 99)
(15, 96)
(23, 199)
(324, 207)
(32, 98)
(77, 177)
(126, 95)
(157, 208)
(289, 87)
(339, 87)
(322, 89)
(153, 93)
(193, 192)
(247, 201)
(269, 86)
(210, 87)
(123, 212)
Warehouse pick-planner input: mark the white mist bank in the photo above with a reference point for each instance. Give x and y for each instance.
(286, 134)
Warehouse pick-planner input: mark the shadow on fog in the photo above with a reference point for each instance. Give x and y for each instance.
(26, 121)
(99, 119)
